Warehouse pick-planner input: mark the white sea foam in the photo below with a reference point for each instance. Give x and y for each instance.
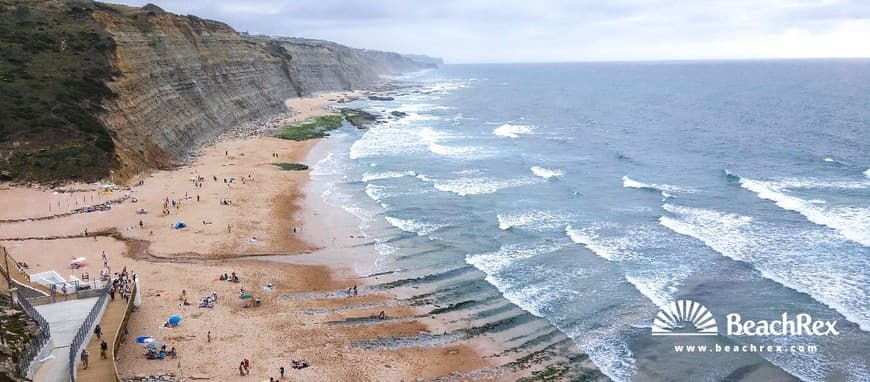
(651, 287)
(477, 186)
(802, 260)
(329, 165)
(376, 192)
(531, 220)
(609, 248)
(851, 222)
(385, 141)
(458, 151)
(512, 131)
(368, 177)
(867, 173)
(414, 226)
(547, 173)
(603, 343)
(792, 183)
(631, 183)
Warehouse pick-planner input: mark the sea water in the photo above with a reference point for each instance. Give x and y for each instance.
(593, 194)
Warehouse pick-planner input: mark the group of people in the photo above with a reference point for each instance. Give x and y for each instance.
(122, 284)
(208, 302)
(162, 353)
(234, 277)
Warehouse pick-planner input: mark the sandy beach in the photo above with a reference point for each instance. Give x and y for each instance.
(240, 211)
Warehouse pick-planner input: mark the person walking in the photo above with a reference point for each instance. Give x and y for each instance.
(281, 371)
(104, 347)
(84, 358)
(98, 331)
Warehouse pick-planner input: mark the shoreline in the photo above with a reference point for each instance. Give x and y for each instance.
(313, 263)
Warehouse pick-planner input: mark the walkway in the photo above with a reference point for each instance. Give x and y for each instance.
(64, 319)
(103, 370)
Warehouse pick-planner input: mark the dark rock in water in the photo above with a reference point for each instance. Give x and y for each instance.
(398, 114)
(359, 118)
(379, 98)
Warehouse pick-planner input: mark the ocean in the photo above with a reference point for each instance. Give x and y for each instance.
(592, 195)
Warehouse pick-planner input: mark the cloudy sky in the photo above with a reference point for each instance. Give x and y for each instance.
(471, 31)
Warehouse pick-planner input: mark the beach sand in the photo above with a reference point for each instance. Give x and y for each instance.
(252, 235)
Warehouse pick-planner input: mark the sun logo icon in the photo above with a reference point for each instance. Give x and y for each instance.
(684, 318)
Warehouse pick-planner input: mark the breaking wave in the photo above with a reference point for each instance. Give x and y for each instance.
(512, 131)
(477, 186)
(852, 223)
(783, 256)
(547, 173)
(413, 226)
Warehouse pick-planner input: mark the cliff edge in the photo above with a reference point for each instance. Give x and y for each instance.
(93, 88)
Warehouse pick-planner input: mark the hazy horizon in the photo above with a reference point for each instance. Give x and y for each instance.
(560, 31)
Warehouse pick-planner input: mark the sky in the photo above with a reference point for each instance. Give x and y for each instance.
(484, 31)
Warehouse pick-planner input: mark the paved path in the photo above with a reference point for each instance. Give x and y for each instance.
(103, 370)
(64, 319)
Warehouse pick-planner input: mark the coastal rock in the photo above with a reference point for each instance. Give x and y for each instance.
(379, 98)
(178, 82)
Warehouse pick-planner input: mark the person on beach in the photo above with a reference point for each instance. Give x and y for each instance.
(281, 371)
(247, 366)
(208, 336)
(241, 368)
(84, 358)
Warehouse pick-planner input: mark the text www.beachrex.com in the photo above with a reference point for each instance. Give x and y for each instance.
(745, 349)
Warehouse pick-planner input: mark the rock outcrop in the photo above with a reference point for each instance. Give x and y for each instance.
(185, 80)
(175, 83)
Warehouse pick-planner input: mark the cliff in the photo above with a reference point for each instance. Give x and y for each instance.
(169, 83)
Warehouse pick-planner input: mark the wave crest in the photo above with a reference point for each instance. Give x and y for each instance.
(512, 131)
(547, 173)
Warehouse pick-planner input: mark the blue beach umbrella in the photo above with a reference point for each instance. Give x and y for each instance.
(174, 319)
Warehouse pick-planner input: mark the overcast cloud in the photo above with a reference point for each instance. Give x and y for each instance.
(539, 31)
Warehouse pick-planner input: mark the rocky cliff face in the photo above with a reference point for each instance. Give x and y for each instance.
(184, 80)
(174, 83)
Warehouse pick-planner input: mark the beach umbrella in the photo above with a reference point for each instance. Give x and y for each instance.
(174, 319)
(179, 225)
(144, 339)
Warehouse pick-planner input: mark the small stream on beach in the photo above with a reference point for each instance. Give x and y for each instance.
(564, 205)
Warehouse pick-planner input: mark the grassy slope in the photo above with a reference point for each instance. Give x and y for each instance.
(54, 63)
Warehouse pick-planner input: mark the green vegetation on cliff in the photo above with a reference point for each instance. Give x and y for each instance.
(313, 128)
(54, 66)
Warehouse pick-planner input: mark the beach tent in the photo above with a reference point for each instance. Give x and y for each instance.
(144, 339)
(174, 320)
(179, 225)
